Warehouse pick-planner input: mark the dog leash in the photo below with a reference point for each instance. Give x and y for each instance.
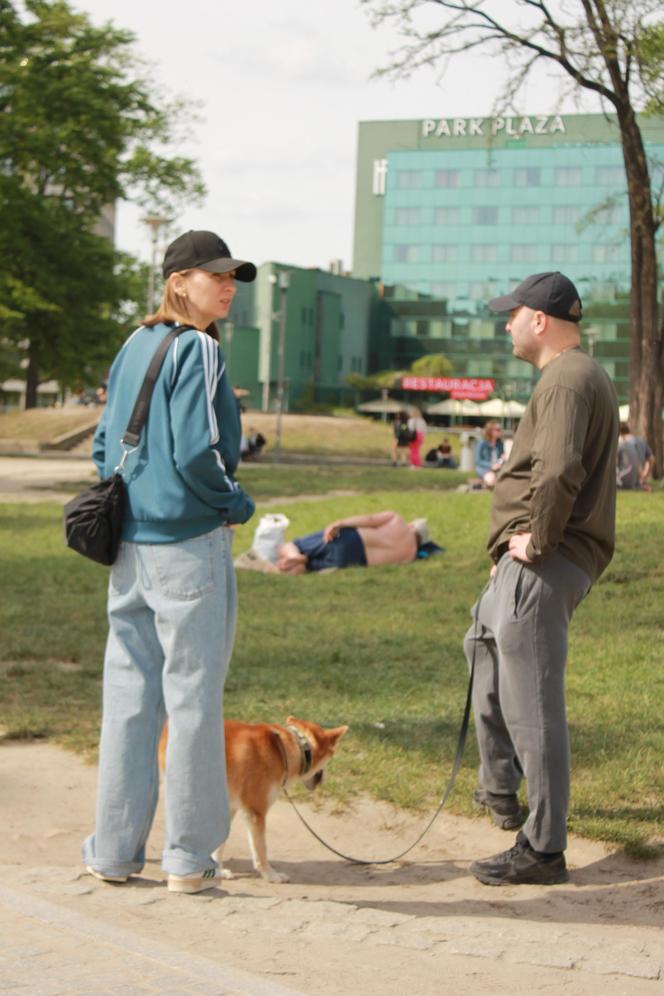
(461, 746)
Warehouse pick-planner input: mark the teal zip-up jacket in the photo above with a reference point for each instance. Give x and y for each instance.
(179, 479)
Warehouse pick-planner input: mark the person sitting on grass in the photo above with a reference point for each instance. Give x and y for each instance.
(489, 454)
(442, 456)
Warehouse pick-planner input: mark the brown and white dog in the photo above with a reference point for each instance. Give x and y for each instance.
(261, 759)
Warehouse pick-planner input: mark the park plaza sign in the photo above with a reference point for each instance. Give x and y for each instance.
(513, 127)
(459, 388)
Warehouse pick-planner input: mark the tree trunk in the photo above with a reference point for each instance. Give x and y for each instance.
(646, 355)
(32, 376)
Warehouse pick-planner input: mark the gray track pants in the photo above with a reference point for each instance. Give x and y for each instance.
(519, 690)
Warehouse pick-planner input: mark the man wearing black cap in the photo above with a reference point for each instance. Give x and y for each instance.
(551, 535)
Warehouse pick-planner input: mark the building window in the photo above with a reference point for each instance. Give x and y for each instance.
(603, 291)
(446, 178)
(407, 216)
(487, 178)
(609, 215)
(482, 291)
(483, 254)
(567, 176)
(527, 176)
(563, 253)
(406, 254)
(379, 176)
(610, 176)
(438, 329)
(409, 179)
(566, 214)
(524, 253)
(444, 289)
(487, 215)
(605, 253)
(525, 215)
(443, 254)
(447, 216)
(422, 328)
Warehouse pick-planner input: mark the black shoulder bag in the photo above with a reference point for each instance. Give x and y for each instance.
(93, 519)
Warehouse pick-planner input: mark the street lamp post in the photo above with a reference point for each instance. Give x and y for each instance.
(283, 281)
(155, 222)
(592, 335)
(229, 328)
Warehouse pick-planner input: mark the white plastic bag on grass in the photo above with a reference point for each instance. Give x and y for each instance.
(269, 534)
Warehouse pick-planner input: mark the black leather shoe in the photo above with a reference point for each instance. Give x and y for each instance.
(521, 865)
(506, 811)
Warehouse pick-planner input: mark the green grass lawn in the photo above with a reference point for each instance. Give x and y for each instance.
(379, 649)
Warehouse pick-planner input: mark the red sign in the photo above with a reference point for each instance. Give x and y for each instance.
(475, 388)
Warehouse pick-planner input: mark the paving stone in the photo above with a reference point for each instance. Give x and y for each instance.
(334, 928)
(402, 939)
(380, 918)
(636, 966)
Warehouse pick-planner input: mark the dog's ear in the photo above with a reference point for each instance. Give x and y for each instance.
(334, 736)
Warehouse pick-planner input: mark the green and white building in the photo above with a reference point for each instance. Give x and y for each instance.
(453, 211)
(326, 321)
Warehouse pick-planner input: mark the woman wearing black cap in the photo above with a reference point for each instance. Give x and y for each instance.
(172, 595)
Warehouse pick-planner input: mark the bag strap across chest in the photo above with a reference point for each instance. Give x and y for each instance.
(136, 422)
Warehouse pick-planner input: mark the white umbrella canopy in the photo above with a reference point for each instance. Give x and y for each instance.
(383, 406)
(623, 413)
(497, 408)
(452, 407)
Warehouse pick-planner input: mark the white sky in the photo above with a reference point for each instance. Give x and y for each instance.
(283, 84)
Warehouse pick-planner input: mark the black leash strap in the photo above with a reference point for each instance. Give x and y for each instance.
(461, 745)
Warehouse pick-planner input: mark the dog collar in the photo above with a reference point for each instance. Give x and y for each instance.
(306, 753)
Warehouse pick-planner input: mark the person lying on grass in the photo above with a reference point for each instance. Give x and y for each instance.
(358, 541)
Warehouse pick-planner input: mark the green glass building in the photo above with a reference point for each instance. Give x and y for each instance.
(322, 321)
(451, 212)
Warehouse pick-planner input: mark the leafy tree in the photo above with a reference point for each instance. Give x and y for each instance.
(79, 125)
(612, 48)
(431, 365)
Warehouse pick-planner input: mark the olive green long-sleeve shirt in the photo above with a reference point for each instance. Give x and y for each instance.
(559, 482)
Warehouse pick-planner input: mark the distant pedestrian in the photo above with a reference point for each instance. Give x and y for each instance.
(401, 438)
(635, 461)
(417, 428)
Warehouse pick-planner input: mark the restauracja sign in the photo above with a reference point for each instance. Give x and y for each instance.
(478, 388)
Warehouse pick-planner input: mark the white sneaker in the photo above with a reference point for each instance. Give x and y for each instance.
(106, 878)
(190, 884)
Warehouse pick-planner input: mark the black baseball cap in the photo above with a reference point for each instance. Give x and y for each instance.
(205, 251)
(552, 293)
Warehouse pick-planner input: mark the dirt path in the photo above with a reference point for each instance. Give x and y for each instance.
(422, 926)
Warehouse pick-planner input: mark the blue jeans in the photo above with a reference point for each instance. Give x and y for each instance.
(172, 610)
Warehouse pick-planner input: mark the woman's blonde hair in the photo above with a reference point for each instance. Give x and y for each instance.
(488, 427)
(174, 307)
